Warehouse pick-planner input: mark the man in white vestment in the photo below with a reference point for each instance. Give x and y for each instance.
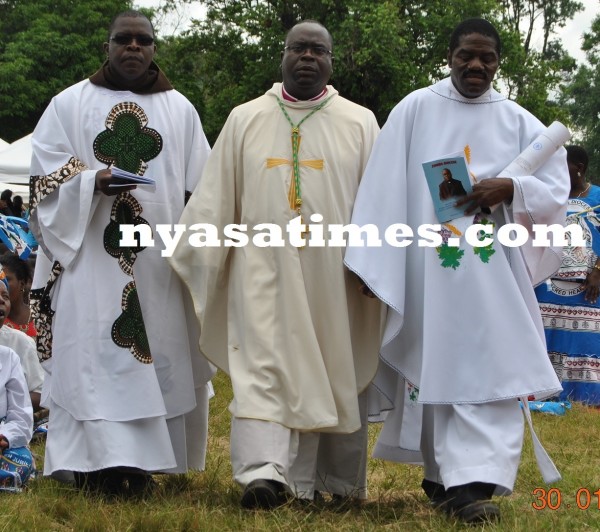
(128, 389)
(287, 322)
(463, 339)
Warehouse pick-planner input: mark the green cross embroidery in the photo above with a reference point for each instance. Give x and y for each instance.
(125, 210)
(126, 142)
(128, 330)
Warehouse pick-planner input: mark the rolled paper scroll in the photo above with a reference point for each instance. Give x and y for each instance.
(538, 152)
(535, 155)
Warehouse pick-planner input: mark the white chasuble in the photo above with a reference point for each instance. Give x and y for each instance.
(462, 325)
(121, 345)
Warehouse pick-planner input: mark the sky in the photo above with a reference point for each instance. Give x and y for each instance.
(571, 34)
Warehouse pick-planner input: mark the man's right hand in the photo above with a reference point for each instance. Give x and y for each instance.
(104, 179)
(366, 291)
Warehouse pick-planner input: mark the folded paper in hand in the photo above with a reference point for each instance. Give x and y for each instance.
(129, 179)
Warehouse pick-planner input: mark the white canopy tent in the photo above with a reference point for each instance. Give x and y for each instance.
(18, 190)
(15, 160)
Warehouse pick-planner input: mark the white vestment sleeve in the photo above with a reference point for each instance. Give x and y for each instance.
(204, 274)
(198, 151)
(540, 199)
(60, 219)
(381, 200)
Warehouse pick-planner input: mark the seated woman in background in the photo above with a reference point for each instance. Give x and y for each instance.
(18, 275)
(18, 209)
(569, 299)
(6, 204)
(16, 415)
(25, 347)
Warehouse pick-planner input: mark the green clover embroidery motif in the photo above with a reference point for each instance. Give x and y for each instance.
(126, 142)
(128, 330)
(125, 210)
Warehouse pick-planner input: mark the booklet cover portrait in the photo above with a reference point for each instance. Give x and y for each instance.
(448, 179)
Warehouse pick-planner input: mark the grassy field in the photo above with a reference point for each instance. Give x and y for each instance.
(210, 500)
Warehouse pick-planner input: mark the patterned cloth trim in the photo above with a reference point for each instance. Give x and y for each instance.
(41, 186)
(42, 313)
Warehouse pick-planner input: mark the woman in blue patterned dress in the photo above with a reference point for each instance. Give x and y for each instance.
(569, 300)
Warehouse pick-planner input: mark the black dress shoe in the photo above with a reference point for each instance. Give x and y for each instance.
(471, 503)
(139, 483)
(435, 492)
(115, 482)
(109, 482)
(318, 500)
(263, 494)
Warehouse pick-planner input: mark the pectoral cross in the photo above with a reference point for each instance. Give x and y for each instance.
(316, 164)
(295, 194)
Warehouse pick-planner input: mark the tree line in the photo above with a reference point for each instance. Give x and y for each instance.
(383, 49)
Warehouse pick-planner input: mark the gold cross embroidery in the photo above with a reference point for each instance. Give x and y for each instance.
(294, 201)
(316, 164)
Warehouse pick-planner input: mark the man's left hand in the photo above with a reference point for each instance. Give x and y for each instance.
(592, 286)
(487, 193)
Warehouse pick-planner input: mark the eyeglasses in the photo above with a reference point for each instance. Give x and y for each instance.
(125, 39)
(300, 48)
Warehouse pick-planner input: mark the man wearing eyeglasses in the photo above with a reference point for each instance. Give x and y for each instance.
(128, 390)
(287, 321)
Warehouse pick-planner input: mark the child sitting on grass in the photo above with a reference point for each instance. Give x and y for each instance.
(16, 414)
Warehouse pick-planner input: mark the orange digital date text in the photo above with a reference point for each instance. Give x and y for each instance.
(553, 499)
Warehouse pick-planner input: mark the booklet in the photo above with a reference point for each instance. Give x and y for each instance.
(448, 179)
(129, 179)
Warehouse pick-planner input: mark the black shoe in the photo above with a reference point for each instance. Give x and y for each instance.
(435, 492)
(471, 503)
(139, 483)
(115, 482)
(317, 501)
(83, 480)
(263, 494)
(344, 502)
(478, 512)
(108, 481)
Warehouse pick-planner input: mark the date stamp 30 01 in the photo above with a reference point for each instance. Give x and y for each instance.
(553, 499)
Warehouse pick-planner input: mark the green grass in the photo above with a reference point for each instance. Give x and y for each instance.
(210, 500)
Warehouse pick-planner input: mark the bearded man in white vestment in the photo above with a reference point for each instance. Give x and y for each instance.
(463, 339)
(288, 323)
(128, 388)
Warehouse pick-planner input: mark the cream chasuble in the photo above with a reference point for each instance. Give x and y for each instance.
(287, 324)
